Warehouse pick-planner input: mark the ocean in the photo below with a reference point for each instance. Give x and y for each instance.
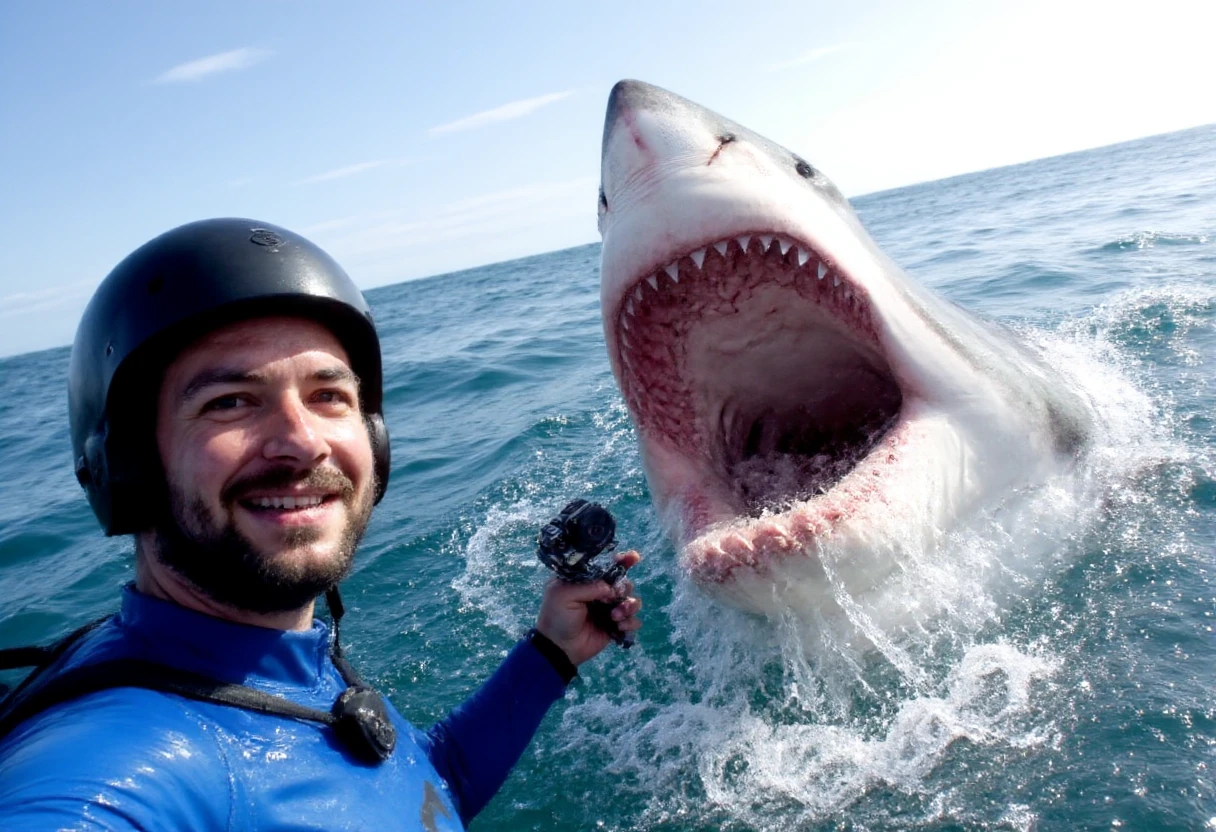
(1062, 675)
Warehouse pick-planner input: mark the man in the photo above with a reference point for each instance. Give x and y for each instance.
(225, 402)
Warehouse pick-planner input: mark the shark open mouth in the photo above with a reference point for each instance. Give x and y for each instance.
(758, 358)
(806, 412)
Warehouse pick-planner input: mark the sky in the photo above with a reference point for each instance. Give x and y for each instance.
(414, 139)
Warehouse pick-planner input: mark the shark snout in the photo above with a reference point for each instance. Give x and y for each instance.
(626, 99)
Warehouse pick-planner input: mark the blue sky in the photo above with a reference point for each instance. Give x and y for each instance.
(412, 139)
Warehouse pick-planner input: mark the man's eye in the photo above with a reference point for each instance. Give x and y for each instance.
(334, 397)
(224, 403)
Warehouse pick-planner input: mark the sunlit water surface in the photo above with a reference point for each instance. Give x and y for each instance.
(1048, 664)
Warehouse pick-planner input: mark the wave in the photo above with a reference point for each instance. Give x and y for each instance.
(1152, 239)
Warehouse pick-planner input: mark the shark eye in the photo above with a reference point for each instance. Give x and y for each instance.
(727, 138)
(804, 170)
(603, 201)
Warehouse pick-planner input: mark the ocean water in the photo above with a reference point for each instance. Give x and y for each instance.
(1059, 675)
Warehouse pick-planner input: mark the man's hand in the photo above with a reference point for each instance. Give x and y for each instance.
(563, 617)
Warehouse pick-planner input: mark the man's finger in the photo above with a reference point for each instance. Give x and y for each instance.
(622, 588)
(629, 558)
(629, 625)
(626, 609)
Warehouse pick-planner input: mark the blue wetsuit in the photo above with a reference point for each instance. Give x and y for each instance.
(131, 758)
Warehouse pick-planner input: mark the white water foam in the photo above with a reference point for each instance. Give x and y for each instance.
(777, 724)
(500, 561)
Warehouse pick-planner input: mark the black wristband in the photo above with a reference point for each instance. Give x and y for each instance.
(556, 655)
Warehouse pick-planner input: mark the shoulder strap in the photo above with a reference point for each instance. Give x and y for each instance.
(359, 716)
(121, 673)
(36, 656)
(39, 658)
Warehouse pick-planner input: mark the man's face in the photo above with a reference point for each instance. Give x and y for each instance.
(268, 461)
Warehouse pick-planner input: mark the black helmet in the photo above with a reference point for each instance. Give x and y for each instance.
(165, 294)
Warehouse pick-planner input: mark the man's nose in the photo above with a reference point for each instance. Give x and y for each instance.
(293, 433)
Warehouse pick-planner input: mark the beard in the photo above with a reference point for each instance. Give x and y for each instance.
(218, 560)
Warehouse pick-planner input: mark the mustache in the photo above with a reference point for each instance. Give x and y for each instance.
(321, 479)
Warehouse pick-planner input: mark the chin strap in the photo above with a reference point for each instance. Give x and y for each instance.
(361, 717)
(333, 599)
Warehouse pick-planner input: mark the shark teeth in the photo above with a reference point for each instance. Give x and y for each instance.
(636, 300)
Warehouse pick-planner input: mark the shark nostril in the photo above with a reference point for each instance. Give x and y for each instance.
(603, 200)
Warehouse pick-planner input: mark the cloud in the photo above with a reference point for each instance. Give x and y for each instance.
(213, 64)
(339, 173)
(516, 109)
(492, 213)
(814, 55)
(474, 230)
(351, 170)
(21, 305)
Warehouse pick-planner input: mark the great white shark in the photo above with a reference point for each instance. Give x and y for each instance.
(793, 390)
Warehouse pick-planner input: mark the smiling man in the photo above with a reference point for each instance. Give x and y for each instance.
(270, 472)
(225, 399)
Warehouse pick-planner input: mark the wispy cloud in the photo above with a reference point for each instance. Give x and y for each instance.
(212, 65)
(23, 304)
(472, 217)
(815, 54)
(506, 112)
(352, 170)
(340, 173)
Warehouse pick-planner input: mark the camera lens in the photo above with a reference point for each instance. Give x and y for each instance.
(593, 529)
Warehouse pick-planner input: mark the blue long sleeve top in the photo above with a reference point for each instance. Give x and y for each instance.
(132, 758)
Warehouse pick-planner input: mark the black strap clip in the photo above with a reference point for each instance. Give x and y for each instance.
(362, 723)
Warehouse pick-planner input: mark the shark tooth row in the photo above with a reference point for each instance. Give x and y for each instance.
(791, 253)
(715, 280)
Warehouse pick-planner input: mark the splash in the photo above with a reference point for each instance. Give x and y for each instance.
(899, 703)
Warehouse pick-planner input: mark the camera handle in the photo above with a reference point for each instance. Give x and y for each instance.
(600, 612)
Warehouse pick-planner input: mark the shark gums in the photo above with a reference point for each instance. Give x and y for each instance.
(793, 389)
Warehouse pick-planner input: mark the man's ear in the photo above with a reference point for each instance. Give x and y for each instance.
(377, 432)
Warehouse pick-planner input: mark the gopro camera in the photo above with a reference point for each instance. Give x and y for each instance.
(570, 542)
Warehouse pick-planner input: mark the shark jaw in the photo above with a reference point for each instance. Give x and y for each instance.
(755, 370)
(791, 387)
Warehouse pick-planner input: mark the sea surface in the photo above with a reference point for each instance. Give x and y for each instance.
(1063, 675)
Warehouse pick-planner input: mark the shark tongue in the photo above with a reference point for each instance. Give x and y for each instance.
(792, 457)
(758, 358)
